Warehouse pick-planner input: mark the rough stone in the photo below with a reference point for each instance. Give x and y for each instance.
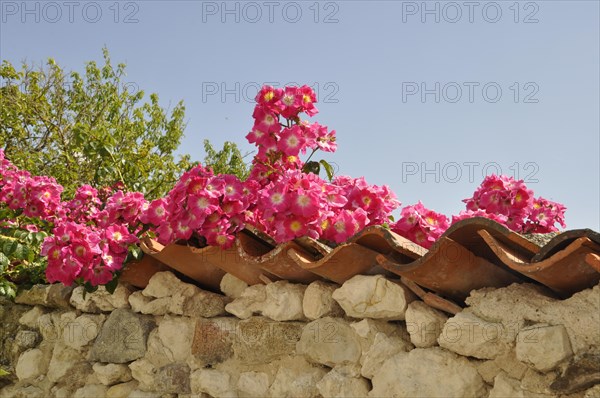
(31, 317)
(537, 382)
(64, 360)
(159, 306)
(176, 335)
(213, 339)
(26, 339)
(373, 296)
(260, 340)
(80, 331)
(296, 378)
(100, 300)
(544, 347)
(16, 391)
(109, 374)
(284, 301)
(488, 370)
(232, 287)
(250, 302)
(52, 296)
(121, 390)
(31, 364)
(318, 301)
(253, 384)
(511, 365)
(517, 302)
(143, 371)
(138, 301)
(337, 384)
(507, 387)
(165, 284)
(91, 391)
(329, 341)
(383, 347)
(468, 335)
(424, 324)
(593, 392)
(213, 382)
(203, 304)
(123, 337)
(410, 375)
(173, 378)
(368, 328)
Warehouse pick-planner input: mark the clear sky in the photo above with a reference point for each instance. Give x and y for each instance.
(426, 97)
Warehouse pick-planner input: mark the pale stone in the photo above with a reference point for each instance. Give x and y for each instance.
(250, 302)
(318, 301)
(91, 391)
(468, 335)
(329, 341)
(159, 306)
(232, 287)
(516, 302)
(143, 372)
(213, 340)
(544, 347)
(507, 387)
(373, 297)
(138, 301)
(260, 340)
(64, 360)
(488, 370)
(165, 284)
(100, 300)
(424, 324)
(79, 332)
(109, 374)
(144, 394)
(336, 384)
(253, 384)
(50, 326)
(121, 390)
(31, 317)
(156, 353)
(368, 328)
(213, 382)
(176, 335)
(17, 391)
(296, 378)
(383, 347)
(122, 338)
(511, 365)
(593, 392)
(31, 364)
(410, 375)
(284, 301)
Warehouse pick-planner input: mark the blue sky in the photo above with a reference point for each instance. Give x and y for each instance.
(426, 97)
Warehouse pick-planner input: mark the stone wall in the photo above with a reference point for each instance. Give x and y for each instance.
(369, 337)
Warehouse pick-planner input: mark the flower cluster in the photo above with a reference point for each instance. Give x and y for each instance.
(279, 144)
(35, 196)
(77, 252)
(211, 206)
(506, 200)
(421, 225)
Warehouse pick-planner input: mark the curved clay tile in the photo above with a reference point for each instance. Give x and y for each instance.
(138, 273)
(181, 258)
(257, 253)
(341, 264)
(451, 270)
(564, 239)
(566, 271)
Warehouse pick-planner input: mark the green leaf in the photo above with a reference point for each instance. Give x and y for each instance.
(311, 167)
(328, 169)
(112, 285)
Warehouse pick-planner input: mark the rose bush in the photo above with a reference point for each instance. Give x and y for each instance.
(93, 233)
